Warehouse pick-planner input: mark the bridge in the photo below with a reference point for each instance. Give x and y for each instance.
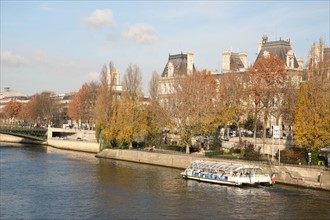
(37, 134)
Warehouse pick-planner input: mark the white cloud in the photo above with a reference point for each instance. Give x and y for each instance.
(100, 18)
(11, 59)
(92, 76)
(141, 33)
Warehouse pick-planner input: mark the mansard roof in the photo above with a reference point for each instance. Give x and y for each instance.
(235, 62)
(277, 48)
(179, 62)
(7, 93)
(326, 53)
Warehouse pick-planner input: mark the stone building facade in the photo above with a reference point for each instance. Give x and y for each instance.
(9, 95)
(294, 66)
(183, 64)
(178, 65)
(319, 53)
(283, 50)
(236, 62)
(114, 79)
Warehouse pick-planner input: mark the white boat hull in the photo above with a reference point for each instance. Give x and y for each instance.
(226, 182)
(227, 179)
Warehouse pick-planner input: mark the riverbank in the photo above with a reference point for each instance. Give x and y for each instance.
(304, 176)
(74, 145)
(21, 140)
(40, 182)
(317, 177)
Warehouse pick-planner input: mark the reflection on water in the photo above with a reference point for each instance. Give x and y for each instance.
(39, 182)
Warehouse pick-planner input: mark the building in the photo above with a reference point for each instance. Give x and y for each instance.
(319, 53)
(10, 95)
(178, 65)
(233, 62)
(294, 67)
(64, 100)
(282, 49)
(114, 79)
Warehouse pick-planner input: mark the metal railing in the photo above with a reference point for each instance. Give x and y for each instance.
(39, 134)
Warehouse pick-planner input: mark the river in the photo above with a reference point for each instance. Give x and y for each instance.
(39, 182)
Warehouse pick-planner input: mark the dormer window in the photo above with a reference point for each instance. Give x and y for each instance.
(170, 69)
(290, 62)
(265, 54)
(290, 59)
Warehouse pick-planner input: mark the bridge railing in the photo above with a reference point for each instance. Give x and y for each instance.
(25, 132)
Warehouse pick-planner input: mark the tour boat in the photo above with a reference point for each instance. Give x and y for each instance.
(226, 173)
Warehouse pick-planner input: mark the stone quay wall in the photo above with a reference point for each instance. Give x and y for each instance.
(74, 139)
(74, 145)
(307, 176)
(312, 177)
(14, 139)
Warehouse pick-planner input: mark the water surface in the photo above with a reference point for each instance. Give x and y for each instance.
(39, 182)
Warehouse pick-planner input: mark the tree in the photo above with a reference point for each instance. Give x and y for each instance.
(90, 102)
(157, 117)
(81, 108)
(42, 108)
(132, 114)
(312, 115)
(232, 100)
(12, 109)
(265, 82)
(75, 107)
(193, 107)
(286, 108)
(106, 108)
(312, 118)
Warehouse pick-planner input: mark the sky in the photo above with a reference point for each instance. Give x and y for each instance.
(60, 45)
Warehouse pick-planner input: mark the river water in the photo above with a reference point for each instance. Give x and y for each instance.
(39, 182)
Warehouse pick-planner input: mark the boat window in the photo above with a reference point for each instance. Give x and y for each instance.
(258, 171)
(222, 167)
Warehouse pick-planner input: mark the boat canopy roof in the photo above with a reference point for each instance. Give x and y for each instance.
(221, 166)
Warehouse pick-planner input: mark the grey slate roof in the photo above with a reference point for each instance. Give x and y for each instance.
(12, 94)
(235, 62)
(277, 48)
(179, 62)
(326, 53)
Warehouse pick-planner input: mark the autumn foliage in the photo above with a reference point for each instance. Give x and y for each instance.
(265, 82)
(197, 104)
(312, 118)
(81, 108)
(42, 108)
(231, 96)
(193, 106)
(12, 109)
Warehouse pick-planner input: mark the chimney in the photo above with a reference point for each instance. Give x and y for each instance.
(190, 63)
(226, 60)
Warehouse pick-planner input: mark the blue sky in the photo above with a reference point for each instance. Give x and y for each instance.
(59, 45)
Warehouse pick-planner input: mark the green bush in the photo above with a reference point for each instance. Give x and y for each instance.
(215, 143)
(214, 153)
(235, 151)
(177, 148)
